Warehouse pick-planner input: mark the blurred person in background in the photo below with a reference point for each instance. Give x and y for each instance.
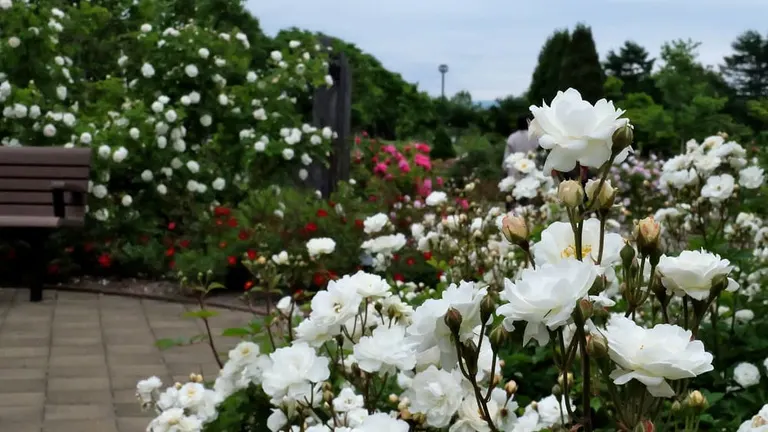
(519, 142)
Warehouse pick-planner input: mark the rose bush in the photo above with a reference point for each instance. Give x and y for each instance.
(626, 325)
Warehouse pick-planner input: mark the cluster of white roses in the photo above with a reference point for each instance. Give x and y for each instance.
(442, 356)
(173, 128)
(528, 181)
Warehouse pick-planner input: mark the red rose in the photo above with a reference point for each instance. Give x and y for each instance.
(398, 277)
(219, 222)
(243, 235)
(184, 243)
(169, 252)
(322, 213)
(172, 226)
(221, 211)
(251, 254)
(311, 227)
(410, 261)
(222, 244)
(319, 278)
(231, 260)
(248, 285)
(427, 256)
(105, 260)
(359, 223)
(232, 222)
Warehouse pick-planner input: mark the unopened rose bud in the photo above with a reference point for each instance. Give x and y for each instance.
(261, 260)
(510, 387)
(487, 307)
(586, 308)
(453, 320)
(647, 235)
(676, 407)
(393, 398)
(470, 354)
(602, 199)
(560, 380)
(597, 286)
(627, 255)
(645, 426)
(496, 380)
(697, 401)
(419, 418)
(570, 193)
(719, 283)
(405, 414)
(557, 390)
(328, 396)
(514, 229)
(597, 346)
(177, 385)
(622, 138)
(498, 337)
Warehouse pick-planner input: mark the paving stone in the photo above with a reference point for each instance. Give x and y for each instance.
(80, 426)
(15, 352)
(20, 413)
(64, 397)
(132, 424)
(80, 341)
(120, 349)
(131, 409)
(154, 359)
(70, 350)
(24, 362)
(78, 372)
(78, 412)
(20, 373)
(22, 426)
(22, 385)
(78, 384)
(78, 360)
(22, 399)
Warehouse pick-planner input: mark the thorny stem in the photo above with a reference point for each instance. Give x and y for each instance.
(602, 238)
(565, 366)
(201, 302)
(478, 395)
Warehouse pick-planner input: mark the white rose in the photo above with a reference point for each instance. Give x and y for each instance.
(86, 138)
(120, 154)
(436, 394)
(653, 356)
(146, 175)
(193, 167)
(146, 28)
(99, 191)
(206, 120)
(288, 154)
(545, 297)
(692, 273)
(127, 200)
(104, 151)
(14, 42)
(219, 184)
(752, 177)
(203, 53)
(162, 189)
(575, 131)
(746, 374)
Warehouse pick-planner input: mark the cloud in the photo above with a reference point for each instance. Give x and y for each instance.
(492, 46)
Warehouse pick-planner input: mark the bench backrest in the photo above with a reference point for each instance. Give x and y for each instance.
(26, 175)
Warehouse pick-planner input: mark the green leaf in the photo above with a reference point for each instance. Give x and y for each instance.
(164, 344)
(202, 314)
(235, 332)
(215, 285)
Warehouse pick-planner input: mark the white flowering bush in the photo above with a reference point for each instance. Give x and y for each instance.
(619, 317)
(183, 123)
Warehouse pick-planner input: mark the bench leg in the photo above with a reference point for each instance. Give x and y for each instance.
(36, 265)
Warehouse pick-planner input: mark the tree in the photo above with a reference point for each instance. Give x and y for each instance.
(692, 94)
(747, 69)
(546, 77)
(632, 66)
(581, 68)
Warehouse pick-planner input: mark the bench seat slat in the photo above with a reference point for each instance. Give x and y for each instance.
(38, 222)
(29, 184)
(72, 212)
(44, 172)
(57, 156)
(32, 197)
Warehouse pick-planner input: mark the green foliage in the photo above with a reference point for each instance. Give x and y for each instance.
(581, 68)
(632, 65)
(443, 145)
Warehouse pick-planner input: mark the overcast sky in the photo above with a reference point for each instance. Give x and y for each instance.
(491, 46)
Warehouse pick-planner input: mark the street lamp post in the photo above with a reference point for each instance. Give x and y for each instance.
(443, 68)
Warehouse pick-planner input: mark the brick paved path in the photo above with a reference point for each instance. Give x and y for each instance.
(71, 362)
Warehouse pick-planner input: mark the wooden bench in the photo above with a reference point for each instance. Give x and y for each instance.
(42, 189)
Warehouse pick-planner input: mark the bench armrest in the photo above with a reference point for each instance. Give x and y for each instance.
(58, 188)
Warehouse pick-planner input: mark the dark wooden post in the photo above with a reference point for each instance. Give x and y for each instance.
(332, 107)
